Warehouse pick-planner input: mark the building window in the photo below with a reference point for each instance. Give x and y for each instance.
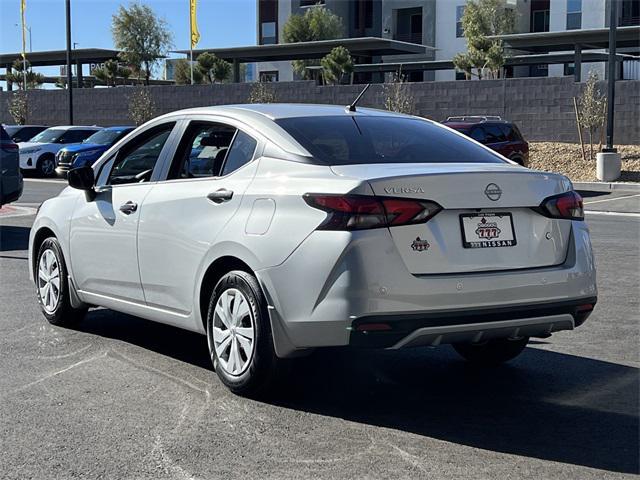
(362, 15)
(408, 26)
(540, 21)
(270, 76)
(629, 13)
(268, 33)
(461, 76)
(574, 14)
(268, 22)
(311, 3)
(459, 14)
(569, 69)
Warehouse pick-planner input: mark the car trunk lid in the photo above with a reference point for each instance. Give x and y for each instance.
(488, 221)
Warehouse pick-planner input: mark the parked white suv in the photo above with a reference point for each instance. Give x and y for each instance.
(277, 229)
(40, 152)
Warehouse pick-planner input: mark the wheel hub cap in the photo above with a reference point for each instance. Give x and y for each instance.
(233, 331)
(49, 280)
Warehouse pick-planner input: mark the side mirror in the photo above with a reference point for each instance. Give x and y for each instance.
(83, 178)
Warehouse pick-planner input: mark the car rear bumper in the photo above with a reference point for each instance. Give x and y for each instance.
(436, 328)
(335, 281)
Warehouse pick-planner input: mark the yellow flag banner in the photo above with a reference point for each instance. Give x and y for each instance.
(195, 34)
(23, 7)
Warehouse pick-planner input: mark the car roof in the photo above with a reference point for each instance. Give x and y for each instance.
(275, 111)
(75, 127)
(25, 126)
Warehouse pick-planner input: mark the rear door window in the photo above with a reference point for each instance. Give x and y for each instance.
(202, 150)
(494, 134)
(479, 134)
(240, 153)
(361, 139)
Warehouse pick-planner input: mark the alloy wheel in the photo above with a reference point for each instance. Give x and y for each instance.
(49, 280)
(233, 331)
(48, 166)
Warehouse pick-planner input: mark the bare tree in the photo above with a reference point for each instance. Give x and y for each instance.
(261, 92)
(592, 109)
(18, 106)
(397, 97)
(142, 108)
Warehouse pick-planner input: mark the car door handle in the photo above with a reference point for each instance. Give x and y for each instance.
(219, 196)
(128, 208)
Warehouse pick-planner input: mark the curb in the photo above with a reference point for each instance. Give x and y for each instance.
(607, 186)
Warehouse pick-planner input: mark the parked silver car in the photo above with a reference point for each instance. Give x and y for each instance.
(276, 229)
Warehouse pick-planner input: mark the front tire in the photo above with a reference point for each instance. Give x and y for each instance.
(239, 335)
(52, 286)
(46, 166)
(492, 352)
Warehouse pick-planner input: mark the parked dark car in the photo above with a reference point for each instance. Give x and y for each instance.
(87, 152)
(23, 133)
(11, 183)
(497, 134)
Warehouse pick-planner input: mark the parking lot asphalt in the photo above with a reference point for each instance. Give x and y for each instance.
(120, 397)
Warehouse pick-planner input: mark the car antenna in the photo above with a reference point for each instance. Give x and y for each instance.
(352, 107)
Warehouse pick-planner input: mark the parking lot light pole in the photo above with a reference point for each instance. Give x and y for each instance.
(609, 161)
(69, 75)
(612, 67)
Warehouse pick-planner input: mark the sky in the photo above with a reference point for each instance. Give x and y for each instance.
(222, 23)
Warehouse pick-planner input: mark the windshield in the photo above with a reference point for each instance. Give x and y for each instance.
(349, 140)
(104, 137)
(50, 135)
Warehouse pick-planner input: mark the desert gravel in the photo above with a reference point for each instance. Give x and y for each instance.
(566, 158)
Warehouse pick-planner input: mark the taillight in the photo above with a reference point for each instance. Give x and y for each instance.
(566, 205)
(10, 147)
(359, 212)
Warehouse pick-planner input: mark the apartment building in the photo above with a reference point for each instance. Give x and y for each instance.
(437, 23)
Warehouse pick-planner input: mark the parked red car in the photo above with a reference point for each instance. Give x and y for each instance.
(497, 134)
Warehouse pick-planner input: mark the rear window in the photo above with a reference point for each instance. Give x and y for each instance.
(3, 135)
(349, 140)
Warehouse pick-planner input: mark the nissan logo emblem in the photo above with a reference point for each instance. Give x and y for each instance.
(493, 192)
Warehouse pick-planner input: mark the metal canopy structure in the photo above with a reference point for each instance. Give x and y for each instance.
(627, 39)
(588, 39)
(59, 57)
(433, 65)
(363, 46)
(49, 58)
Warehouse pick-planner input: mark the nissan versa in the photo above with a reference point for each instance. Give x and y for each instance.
(277, 229)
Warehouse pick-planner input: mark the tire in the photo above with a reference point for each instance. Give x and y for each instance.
(46, 166)
(492, 352)
(57, 309)
(256, 367)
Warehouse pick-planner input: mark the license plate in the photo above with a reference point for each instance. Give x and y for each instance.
(487, 230)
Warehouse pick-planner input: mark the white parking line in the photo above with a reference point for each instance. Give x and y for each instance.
(46, 180)
(612, 199)
(619, 214)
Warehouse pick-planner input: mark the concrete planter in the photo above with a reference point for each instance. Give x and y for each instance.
(608, 166)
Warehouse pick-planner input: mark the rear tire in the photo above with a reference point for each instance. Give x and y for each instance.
(492, 352)
(46, 166)
(52, 286)
(239, 336)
